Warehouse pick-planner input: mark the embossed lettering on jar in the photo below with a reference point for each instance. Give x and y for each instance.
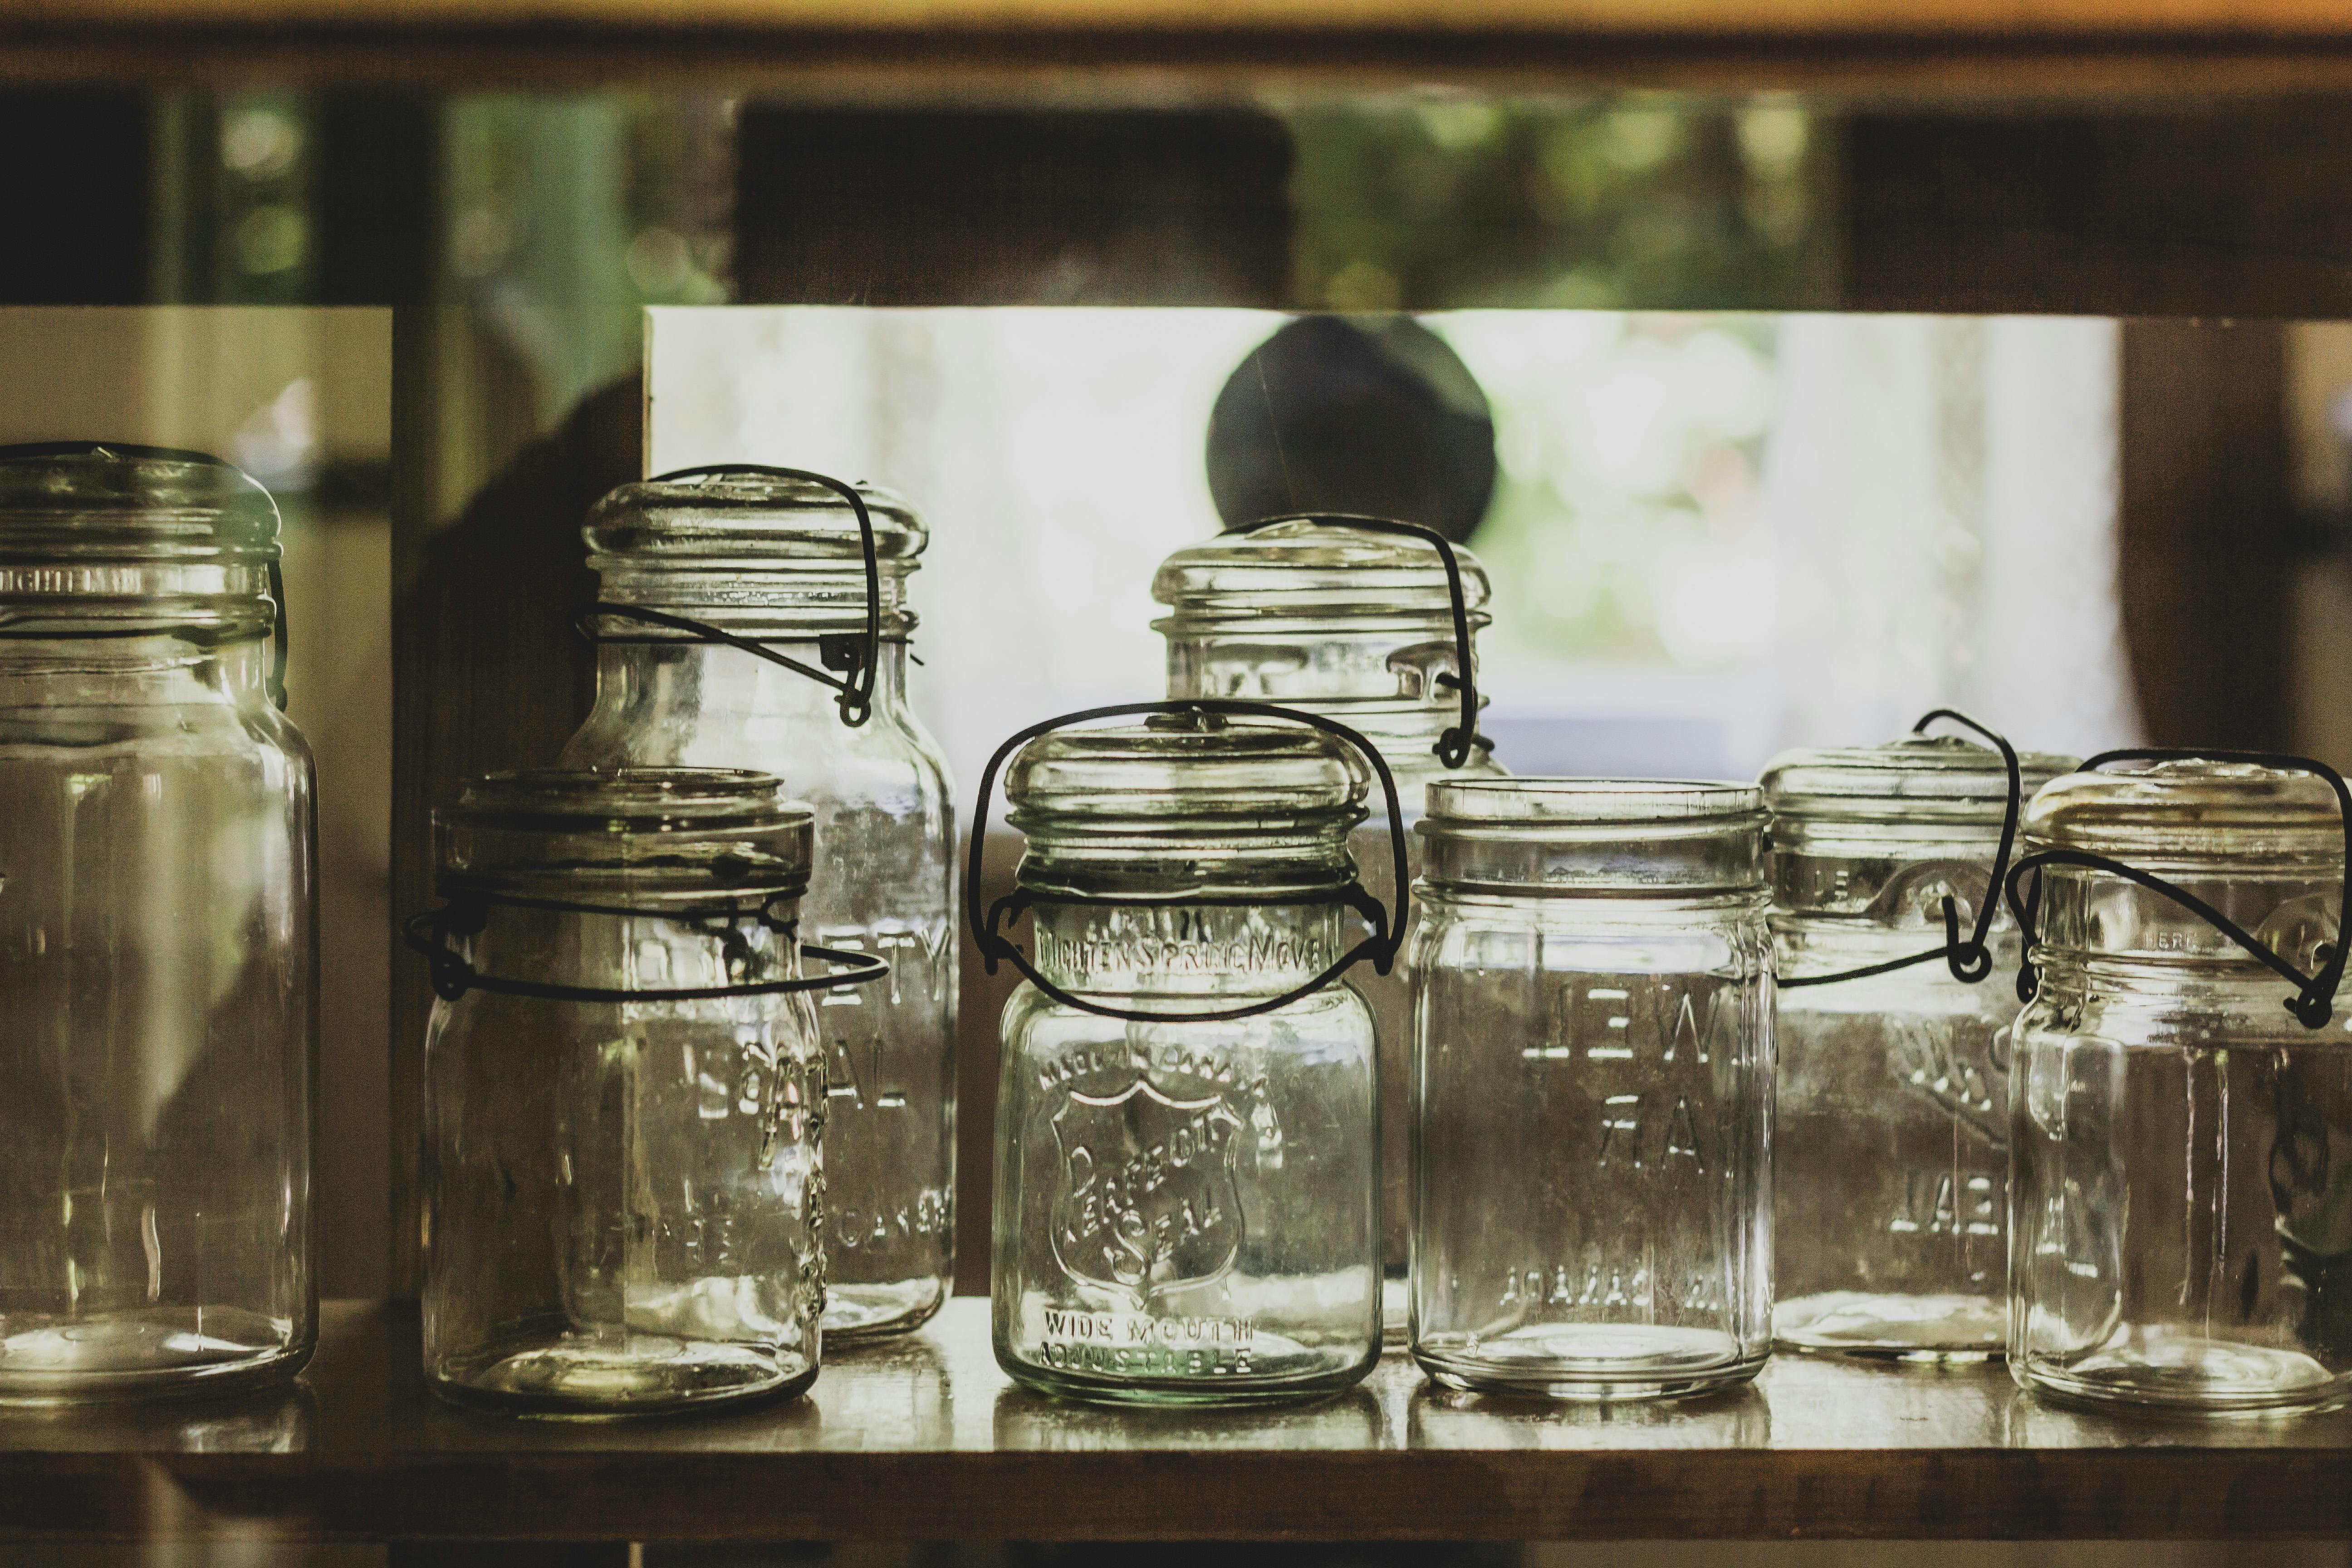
(1592, 1093)
(1355, 625)
(779, 561)
(158, 935)
(2180, 1201)
(624, 1194)
(1187, 1210)
(1893, 1168)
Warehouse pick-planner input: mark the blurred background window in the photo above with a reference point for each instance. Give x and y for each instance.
(1711, 535)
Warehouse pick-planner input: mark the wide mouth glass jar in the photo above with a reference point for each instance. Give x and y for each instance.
(158, 934)
(1592, 1089)
(624, 1182)
(778, 558)
(1892, 1236)
(1338, 618)
(2181, 1207)
(1187, 1202)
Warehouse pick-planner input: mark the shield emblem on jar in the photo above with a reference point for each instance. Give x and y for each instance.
(1146, 1205)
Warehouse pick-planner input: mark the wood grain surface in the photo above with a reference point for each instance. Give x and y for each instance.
(925, 1439)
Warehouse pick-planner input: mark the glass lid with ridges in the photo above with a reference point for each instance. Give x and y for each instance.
(1303, 571)
(729, 518)
(2194, 813)
(1919, 779)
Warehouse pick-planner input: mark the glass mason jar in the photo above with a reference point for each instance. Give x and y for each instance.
(2181, 1199)
(623, 1188)
(1342, 617)
(1891, 1236)
(1187, 1183)
(1592, 1089)
(775, 559)
(159, 964)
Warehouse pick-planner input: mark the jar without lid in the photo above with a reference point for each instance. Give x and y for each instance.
(1593, 1092)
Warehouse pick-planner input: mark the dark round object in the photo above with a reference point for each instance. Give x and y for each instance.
(1375, 415)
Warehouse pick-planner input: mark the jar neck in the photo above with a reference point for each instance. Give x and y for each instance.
(644, 686)
(142, 671)
(816, 599)
(1208, 951)
(1392, 660)
(633, 952)
(2086, 914)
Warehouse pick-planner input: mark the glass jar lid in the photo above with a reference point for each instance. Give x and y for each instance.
(98, 538)
(746, 522)
(1184, 802)
(654, 832)
(2195, 815)
(1573, 835)
(1941, 779)
(1311, 572)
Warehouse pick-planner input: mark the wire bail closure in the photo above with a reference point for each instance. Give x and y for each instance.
(1454, 747)
(856, 655)
(2314, 1002)
(465, 913)
(1970, 961)
(1379, 948)
(274, 684)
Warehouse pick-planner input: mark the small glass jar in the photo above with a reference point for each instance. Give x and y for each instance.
(1187, 1200)
(159, 964)
(2181, 1198)
(622, 1179)
(777, 559)
(1340, 618)
(1592, 1089)
(1892, 1173)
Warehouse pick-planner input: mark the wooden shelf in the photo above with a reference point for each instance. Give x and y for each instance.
(924, 1439)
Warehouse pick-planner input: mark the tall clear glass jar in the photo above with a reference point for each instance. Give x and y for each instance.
(1592, 1089)
(1187, 1183)
(1338, 617)
(1893, 1175)
(2181, 1199)
(777, 560)
(158, 963)
(623, 1178)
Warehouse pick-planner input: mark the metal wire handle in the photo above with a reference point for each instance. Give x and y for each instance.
(2314, 1002)
(1454, 746)
(856, 655)
(465, 913)
(1381, 947)
(1970, 961)
(275, 683)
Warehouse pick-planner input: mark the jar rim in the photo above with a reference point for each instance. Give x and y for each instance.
(1303, 570)
(109, 502)
(1539, 802)
(758, 522)
(1913, 778)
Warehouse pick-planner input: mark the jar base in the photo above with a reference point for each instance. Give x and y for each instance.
(2188, 1375)
(599, 1376)
(1178, 1392)
(1590, 1361)
(159, 1353)
(1945, 1330)
(856, 1312)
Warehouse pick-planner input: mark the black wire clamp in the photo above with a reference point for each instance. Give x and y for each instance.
(2314, 1002)
(1970, 961)
(856, 655)
(1379, 948)
(467, 913)
(1454, 747)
